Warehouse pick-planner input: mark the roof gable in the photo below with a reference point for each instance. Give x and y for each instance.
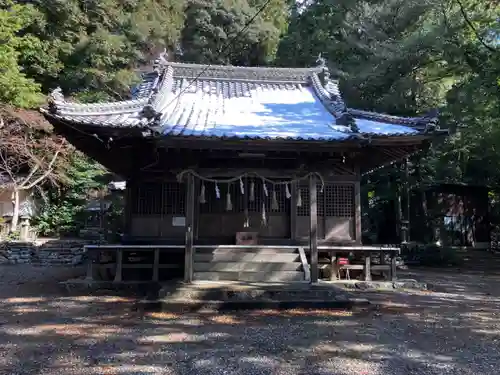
(242, 102)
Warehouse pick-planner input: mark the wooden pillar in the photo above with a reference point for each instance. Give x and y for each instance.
(405, 206)
(90, 265)
(368, 266)
(313, 228)
(190, 201)
(393, 267)
(129, 185)
(119, 265)
(333, 267)
(357, 212)
(293, 211)
(407, 197)
(156, 265)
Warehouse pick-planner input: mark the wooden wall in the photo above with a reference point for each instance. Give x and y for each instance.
(156, 207)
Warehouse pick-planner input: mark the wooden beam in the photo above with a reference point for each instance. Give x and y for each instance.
(368, 267)
(393, 267)
(129, 186)
(156, 264)
(188, 261)
(254, 145)
(119, 265)
(357, 212)
(313, 228)
(293, 211)
(333, 266)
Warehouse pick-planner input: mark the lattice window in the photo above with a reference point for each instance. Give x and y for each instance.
(157, 198)
(303, 210)
(174, 198)
(339, 200)
(148, 199)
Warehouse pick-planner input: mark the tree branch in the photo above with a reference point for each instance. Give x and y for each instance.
(48, 171)
(469, 23)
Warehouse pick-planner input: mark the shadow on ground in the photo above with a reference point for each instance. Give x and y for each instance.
(47, 330)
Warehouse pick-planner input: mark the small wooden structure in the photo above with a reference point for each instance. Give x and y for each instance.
(212, 151)
(453, 214)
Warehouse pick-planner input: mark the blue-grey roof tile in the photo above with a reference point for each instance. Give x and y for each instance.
(267, 103)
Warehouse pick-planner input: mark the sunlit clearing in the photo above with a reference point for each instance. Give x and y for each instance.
(25, 300)
(335, 323)
(58, 329)
(487, 331)
(225, 319)
(261, 361)
(162, 315)
(303, 312)
(356, 366)
(181, 337)
(24, 310)
(133, 369)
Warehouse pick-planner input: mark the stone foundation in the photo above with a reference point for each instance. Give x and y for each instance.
(44, 252)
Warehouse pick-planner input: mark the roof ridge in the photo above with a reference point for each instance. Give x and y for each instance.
(426, 122)
(256, 73)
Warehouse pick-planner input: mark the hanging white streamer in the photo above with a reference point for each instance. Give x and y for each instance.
(274, 203)
(246, 224)
(251, 198)
(287, 192)
(202, 194)
(266, 193)
(264, 217)
(229, 204)
(242, 187)
(217, 191)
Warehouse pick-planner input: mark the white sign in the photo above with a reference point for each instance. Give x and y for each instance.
(179, 221)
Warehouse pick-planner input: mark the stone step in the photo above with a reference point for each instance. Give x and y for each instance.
(250, 276)
(246, 257)
(246, 266)
(259, 250)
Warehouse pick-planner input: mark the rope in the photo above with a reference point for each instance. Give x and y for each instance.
(181, 175)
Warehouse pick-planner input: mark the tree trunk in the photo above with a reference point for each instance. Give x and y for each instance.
(15, 211)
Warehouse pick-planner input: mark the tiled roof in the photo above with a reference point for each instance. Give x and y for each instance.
(241, 102)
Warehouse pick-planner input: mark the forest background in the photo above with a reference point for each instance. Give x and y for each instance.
(402, 57)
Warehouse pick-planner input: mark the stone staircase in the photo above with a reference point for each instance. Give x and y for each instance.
(248, 265)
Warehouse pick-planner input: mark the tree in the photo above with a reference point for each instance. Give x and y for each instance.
(96, 45)
(28, 156)
(62, 208)
(215, 32)
(15, 87)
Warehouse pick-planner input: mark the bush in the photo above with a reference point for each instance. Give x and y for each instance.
(437, 256)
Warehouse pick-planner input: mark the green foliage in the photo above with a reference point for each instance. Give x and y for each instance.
(211, 27)
(95, 45)
(62, 211)
(13, 236)
(15, 87)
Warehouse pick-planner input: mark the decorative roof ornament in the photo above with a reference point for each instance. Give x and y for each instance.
(151, 114)
(161, 61)
(55, 96)
(432, 123)
(321, 61)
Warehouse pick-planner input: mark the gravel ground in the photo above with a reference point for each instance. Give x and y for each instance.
(46, 330)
